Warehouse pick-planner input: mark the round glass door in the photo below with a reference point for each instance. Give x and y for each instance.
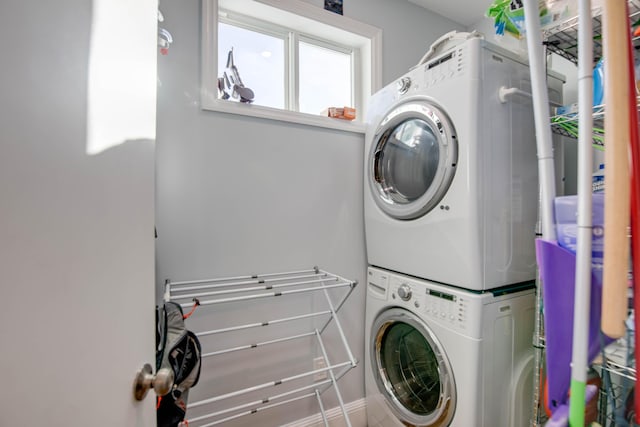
(413, 160)
(412, 370)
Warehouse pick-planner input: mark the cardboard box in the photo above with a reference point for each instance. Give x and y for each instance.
(345, 113)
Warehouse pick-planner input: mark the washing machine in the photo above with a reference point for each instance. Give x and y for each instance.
(451, 184)
(442, 356)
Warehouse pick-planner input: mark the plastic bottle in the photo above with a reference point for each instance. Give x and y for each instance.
(597, 179)
(598, 83)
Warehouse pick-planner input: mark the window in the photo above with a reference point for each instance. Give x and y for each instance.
(260, 59)
(296, 59)
(325, 76)
(321, 74)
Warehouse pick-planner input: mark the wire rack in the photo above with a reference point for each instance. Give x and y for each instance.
(292, 385)
(618, 375)
(563, 38)
(616, 366)
(567, 125)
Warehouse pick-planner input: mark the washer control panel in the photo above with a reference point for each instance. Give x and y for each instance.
(450, 307)
(445, 306)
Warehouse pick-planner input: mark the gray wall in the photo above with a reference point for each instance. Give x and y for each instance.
(239, 195)
(408, 30)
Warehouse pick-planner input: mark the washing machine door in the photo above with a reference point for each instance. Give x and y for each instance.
(412, 370)
(412, 159)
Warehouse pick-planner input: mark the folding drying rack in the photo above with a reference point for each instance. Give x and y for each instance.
(220, 291)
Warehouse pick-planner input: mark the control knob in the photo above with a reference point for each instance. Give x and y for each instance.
(404, 292)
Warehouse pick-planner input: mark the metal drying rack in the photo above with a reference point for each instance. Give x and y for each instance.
(218, 291)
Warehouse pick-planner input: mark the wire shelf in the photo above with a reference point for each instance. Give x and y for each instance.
(618, 375)
(567, 125)
(563, 38)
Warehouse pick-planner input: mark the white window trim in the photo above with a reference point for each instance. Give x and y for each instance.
(209, 96)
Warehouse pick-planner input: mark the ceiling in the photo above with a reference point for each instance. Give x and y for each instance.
(465, 12)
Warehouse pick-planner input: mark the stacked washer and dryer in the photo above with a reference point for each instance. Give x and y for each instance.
(451, 201)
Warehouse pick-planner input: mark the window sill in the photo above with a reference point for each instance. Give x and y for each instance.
(259, 111)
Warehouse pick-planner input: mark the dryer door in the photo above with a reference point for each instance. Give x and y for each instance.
(412, 160)
(412, 369)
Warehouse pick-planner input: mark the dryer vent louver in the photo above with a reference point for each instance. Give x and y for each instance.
(460, 59)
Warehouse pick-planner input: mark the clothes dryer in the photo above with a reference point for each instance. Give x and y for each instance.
(442, 356)
(451, 185)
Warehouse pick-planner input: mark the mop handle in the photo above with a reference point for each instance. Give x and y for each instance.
(616, 208)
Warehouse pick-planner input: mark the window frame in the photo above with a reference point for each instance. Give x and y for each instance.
(369, 36)
(292, 40)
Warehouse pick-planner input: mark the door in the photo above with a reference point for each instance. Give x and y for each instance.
(76, 211)
(412, 160)
(412, 369)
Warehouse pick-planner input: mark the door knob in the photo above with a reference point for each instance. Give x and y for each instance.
(161, 382)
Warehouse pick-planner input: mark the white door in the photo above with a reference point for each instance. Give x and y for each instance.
(76, 211)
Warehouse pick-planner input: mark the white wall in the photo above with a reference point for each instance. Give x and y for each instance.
(238, 195)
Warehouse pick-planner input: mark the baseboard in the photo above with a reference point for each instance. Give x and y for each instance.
(357, 416)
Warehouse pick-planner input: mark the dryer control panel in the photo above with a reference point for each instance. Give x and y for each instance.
(446, 67)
